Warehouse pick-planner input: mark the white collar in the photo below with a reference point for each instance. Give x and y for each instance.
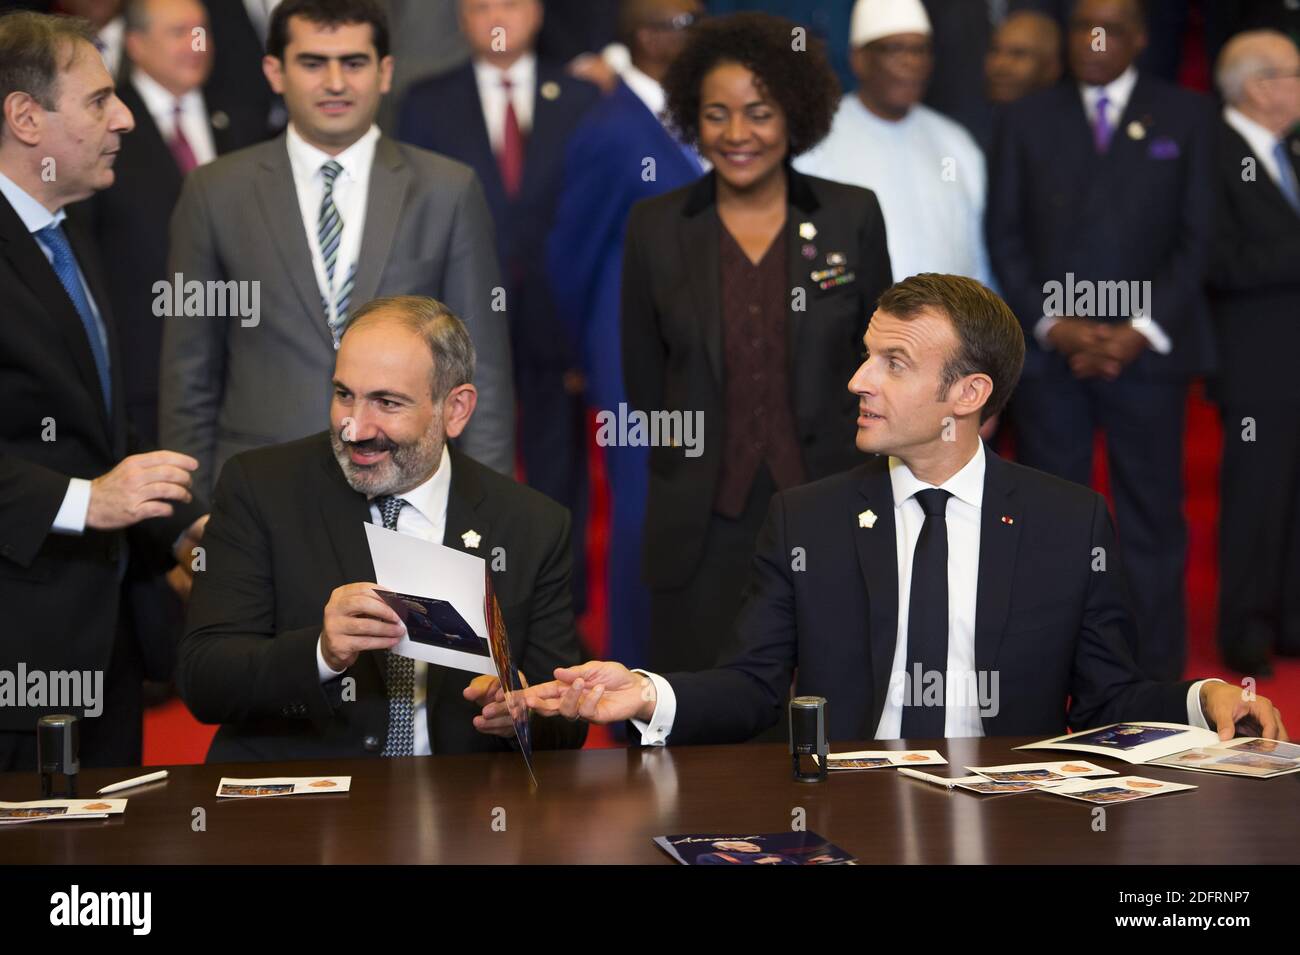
(1117, 92)
(520, 73)
(647, 89)
(158, 100)
(430, 498)
(966, 485)
(34, 215)
(306, 159)
(1259, 138)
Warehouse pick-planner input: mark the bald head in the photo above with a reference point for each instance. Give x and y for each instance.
(1259, 73)
(1025, 56)
(653, 31)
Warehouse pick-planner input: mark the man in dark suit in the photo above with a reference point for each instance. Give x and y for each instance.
(1099, 220)
(75, 505)
(177, 128)
(330, 214)
(1255, 296)
(509, 116)
(287, 643)
(942, 591)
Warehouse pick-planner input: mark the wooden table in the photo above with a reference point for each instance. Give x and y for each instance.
(605, 806)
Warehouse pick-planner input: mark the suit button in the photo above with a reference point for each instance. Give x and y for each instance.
(371, 743)
(7, 550)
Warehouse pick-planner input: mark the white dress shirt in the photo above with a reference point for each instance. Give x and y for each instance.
(1117, 93)
(928, 174)
(1261, 141)
(522, 74)
(424, 516)
(195, 123)
(71, 518)
(961, 716)
(110, 41)
(351, 189)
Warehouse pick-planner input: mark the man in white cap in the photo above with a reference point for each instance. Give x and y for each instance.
(926, 169)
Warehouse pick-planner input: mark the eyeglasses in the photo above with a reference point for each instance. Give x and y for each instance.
(682, 21)
(897, 49)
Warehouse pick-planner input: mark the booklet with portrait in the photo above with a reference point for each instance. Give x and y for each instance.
(1181, 747)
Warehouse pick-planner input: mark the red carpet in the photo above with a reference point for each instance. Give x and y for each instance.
(172, 736)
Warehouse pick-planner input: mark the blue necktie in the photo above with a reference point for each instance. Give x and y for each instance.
(1286, 179)
(65, 267)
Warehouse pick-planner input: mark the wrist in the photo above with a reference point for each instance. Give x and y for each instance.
(649, 699)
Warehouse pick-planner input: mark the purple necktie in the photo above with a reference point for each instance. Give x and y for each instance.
(1101, 131)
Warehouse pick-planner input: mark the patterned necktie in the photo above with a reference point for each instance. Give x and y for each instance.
(329, 233)
(1286, 178)
(927, 618)
(1101, 129)
(180, 146)
(511, 157)
(399, 670)
(65, 267)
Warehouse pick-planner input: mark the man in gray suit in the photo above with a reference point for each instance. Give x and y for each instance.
(271, 245)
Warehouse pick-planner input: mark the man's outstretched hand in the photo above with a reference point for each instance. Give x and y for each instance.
(598, 692)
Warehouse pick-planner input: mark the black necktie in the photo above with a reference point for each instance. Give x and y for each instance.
(927, 620)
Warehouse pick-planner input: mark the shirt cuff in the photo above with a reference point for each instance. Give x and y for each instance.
(325, 671)
(71, 518)
(655, 733)
(1195, 717)
(1044, 325)
(1154, 334)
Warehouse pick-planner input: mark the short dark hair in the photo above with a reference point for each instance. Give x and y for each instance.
(800, 81)
(330, 13)
(448, 339)
(989, 337)
(34, 49)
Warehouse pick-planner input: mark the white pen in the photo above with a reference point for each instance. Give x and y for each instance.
(129, 783)
(927, 778)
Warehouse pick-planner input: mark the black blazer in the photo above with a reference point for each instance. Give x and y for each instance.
(672, 343)
(129, 222)
(1143, 211)
(61, 592)
(444, 114)
(1255, 279)
(1059, 634)
(286, 530)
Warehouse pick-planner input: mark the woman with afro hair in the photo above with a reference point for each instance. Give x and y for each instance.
(745, 299)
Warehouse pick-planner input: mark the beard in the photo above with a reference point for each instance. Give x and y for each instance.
(407, 465)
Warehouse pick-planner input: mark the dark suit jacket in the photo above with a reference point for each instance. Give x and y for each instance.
(61, 592)
(237, 84)
(129, 222)
(1058, 633)
(1255, 279)
(444, 114)
(1143, 211)
(286, 530)
(672, 343)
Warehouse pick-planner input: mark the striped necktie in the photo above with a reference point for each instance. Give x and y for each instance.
(399, 671)
(329, 235)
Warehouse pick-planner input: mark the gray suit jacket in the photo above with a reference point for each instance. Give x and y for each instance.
(228, 385)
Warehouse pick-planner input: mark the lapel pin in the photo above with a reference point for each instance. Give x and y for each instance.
(472, 538)
(1008, 520)
(807, 231)
(835, 258)
(867, 519)
(550, 90)
(1136, 130)
(219, 120)
(809, 250)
